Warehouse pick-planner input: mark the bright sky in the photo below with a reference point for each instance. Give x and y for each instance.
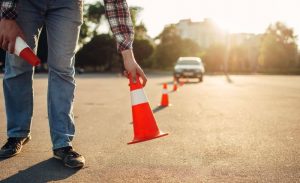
(251, 16)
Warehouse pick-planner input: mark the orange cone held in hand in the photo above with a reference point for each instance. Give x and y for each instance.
(165, 98)
(24, 51)
(144, 123)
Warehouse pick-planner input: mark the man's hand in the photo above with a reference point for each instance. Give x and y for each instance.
(9, 30)
(132, 67)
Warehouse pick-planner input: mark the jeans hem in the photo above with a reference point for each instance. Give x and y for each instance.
(61, 145)
(23, 135)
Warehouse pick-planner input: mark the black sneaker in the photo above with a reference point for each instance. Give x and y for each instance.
(13, 146)
(69, 157)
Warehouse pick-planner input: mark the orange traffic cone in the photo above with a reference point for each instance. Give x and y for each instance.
(165, 98)
(23, 50)
(181, 83)
(174, 86)
(144, 123)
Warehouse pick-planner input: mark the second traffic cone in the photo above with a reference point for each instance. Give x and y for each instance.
(144, 123)
(165, 98)
(181, 83)
(24, 51)
(175, 86)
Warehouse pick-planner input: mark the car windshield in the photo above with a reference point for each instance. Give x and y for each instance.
(188, 62)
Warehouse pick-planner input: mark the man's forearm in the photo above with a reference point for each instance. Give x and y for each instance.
(120, 22)
(8, 9)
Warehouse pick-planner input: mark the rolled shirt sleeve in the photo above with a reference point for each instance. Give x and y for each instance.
(120, 22)
(8, 9)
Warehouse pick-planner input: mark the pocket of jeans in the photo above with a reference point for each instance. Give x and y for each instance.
(73, 10)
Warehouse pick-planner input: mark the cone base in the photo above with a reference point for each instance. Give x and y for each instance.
(161, 134)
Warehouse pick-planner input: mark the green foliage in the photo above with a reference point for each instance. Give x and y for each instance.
(171, 47)
(95, 12)
(92, 15)
(134, 13)
(99, 54)
(214, 57)
(140, 31)
(279, 48)
(238, 60)
(143, 49)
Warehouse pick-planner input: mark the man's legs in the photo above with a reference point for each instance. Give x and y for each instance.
(17, 82)
(63, 22)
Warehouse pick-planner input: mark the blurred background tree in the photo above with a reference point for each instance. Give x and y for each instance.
(278, 49)
(93, 15)
(99, 54)
(134, 13)
(171, 46)
(143, 49)
(214, 58)
(143, 46)
(168, 49)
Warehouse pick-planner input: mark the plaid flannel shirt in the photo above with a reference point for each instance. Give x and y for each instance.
(117, 13)
(8, 9)
(120, 22)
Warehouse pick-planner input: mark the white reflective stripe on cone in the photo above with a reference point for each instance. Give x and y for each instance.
(164, 91)
(20, 45)
(138, 97)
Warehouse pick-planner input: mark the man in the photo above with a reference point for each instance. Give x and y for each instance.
(63, 19)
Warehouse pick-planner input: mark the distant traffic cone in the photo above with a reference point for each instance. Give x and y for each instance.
(175, 86)
(24, 51)
(181, 83)
(165, 98)
(144, 123)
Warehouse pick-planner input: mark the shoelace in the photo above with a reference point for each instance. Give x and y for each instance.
(71, 152)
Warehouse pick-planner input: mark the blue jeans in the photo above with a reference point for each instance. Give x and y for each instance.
(62, 19)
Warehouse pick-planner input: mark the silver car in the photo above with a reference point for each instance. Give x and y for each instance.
(189, 67)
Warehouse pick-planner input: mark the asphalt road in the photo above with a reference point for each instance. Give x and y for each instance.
(246, 130)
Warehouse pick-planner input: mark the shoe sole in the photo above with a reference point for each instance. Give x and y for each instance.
(78, 166)
(18, 152)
